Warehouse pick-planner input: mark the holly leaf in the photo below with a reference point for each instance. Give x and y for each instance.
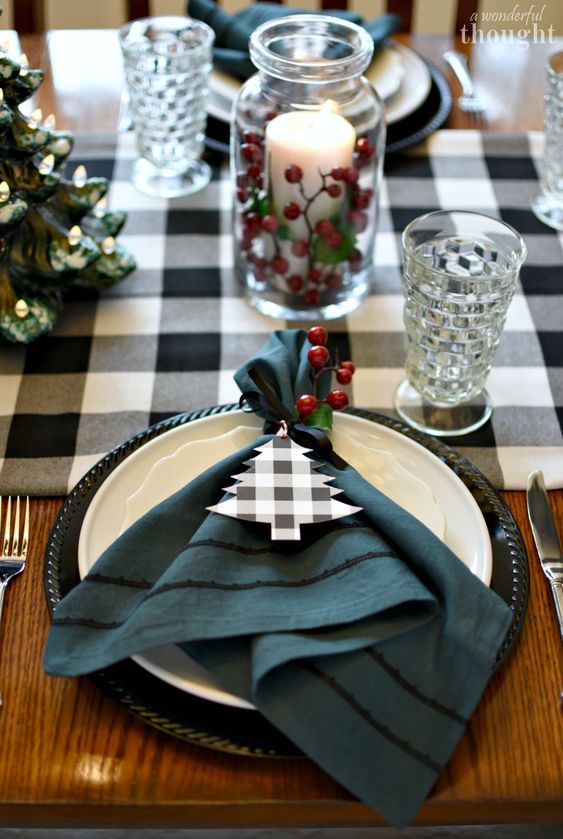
(322, 417)
(283, 232)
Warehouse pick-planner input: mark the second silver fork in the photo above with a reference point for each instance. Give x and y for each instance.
(13, 551)
(469, 101)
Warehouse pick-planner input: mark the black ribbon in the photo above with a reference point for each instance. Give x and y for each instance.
(307, 436)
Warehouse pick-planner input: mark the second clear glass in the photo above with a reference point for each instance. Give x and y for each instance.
(307, 147)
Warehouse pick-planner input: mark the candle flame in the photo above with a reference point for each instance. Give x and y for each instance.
(4, 192)
(5, 45)
(74, 235)
(108, 245)
(80, 175)
(47, 165)
(24, 64)
(329, 107)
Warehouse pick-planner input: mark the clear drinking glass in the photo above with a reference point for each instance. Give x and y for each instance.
(307, 148)
(548, 205)
(167, 61)
(459, 275)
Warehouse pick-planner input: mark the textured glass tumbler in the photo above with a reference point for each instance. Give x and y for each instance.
(167, 61)
(459, 274)
(548, 205)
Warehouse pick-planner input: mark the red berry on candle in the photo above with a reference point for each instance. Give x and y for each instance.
(338, 173)
(252, 152)
(254, 171)
(295, 283)
(269, 223)
(306, 405)
(293, 174)
(312, 297)
(358, 219)
(337, 399)
(292, 211)
(343, 376)
(317, 335)
(280, 265)
(324, 228)
(334, 281)
(334, 190)
(251, 137)
(314, 276)
(351, 176)
(365, 147)
(355, 258)
(348, 365)
(242, 180)
(318, 356)
(242, 195)
(334, 240)
(361, 200)
(300, 248)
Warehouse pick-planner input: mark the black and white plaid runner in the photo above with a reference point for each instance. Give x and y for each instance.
(169, 337)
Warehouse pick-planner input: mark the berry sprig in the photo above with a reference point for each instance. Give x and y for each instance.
(330, 246)
(311, 409)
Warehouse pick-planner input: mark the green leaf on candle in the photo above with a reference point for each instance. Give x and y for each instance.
(323, 253)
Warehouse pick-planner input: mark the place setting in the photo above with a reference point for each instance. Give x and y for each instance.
(287, 396)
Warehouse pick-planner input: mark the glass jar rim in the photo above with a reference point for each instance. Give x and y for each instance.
(520, 250)
(310, 69)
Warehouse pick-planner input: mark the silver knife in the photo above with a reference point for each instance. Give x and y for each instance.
(546, 539)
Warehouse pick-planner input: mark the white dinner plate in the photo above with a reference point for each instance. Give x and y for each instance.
(399, 75)
(428, 488)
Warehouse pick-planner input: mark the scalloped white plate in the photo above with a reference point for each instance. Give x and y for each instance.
(401, 468)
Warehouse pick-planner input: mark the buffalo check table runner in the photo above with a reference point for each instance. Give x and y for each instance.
(168, 338)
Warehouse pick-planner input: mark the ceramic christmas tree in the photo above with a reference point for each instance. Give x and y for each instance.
(54, 232)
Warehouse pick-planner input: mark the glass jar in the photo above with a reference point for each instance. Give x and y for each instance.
(307, 147)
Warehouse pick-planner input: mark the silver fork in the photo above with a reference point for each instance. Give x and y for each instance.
(469, 100)
(13, 552)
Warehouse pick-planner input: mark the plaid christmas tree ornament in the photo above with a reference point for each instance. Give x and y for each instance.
(281, 488)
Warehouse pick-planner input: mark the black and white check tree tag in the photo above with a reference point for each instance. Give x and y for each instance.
(281, 488)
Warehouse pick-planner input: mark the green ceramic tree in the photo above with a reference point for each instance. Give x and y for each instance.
(54, 232)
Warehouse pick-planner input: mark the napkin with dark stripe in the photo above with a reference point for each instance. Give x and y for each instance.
(368, 643)
(230, 53)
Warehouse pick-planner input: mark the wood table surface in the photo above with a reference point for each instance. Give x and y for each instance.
(69, 755)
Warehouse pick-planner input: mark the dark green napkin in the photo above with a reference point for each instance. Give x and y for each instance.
(230, 53)
(368, 643)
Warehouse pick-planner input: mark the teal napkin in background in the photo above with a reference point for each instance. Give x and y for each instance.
(230, 53)
(367, 643)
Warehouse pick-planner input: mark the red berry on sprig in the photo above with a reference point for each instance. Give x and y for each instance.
(306, 404)
(293, 174)
(348, 365)
(318, 356)
(337, 399)
(317, 335)
(269, 223)
(344, 376)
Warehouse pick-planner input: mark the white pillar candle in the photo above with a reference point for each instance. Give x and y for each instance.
(317, 142)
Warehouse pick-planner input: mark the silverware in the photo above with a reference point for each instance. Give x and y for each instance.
(546, 539)
(13, 552)
(469, 100)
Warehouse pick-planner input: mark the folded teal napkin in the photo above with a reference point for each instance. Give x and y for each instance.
(367, 643)
(230, 53)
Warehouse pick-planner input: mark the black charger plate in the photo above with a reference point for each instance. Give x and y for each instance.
(232, 729)
(401, 135)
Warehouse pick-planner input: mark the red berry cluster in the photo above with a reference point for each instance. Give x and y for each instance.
(319, 358)
(323, 271)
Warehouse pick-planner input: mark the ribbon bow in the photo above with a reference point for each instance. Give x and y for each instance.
(305, 435)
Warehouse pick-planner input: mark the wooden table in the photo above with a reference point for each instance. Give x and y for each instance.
(71, 756)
